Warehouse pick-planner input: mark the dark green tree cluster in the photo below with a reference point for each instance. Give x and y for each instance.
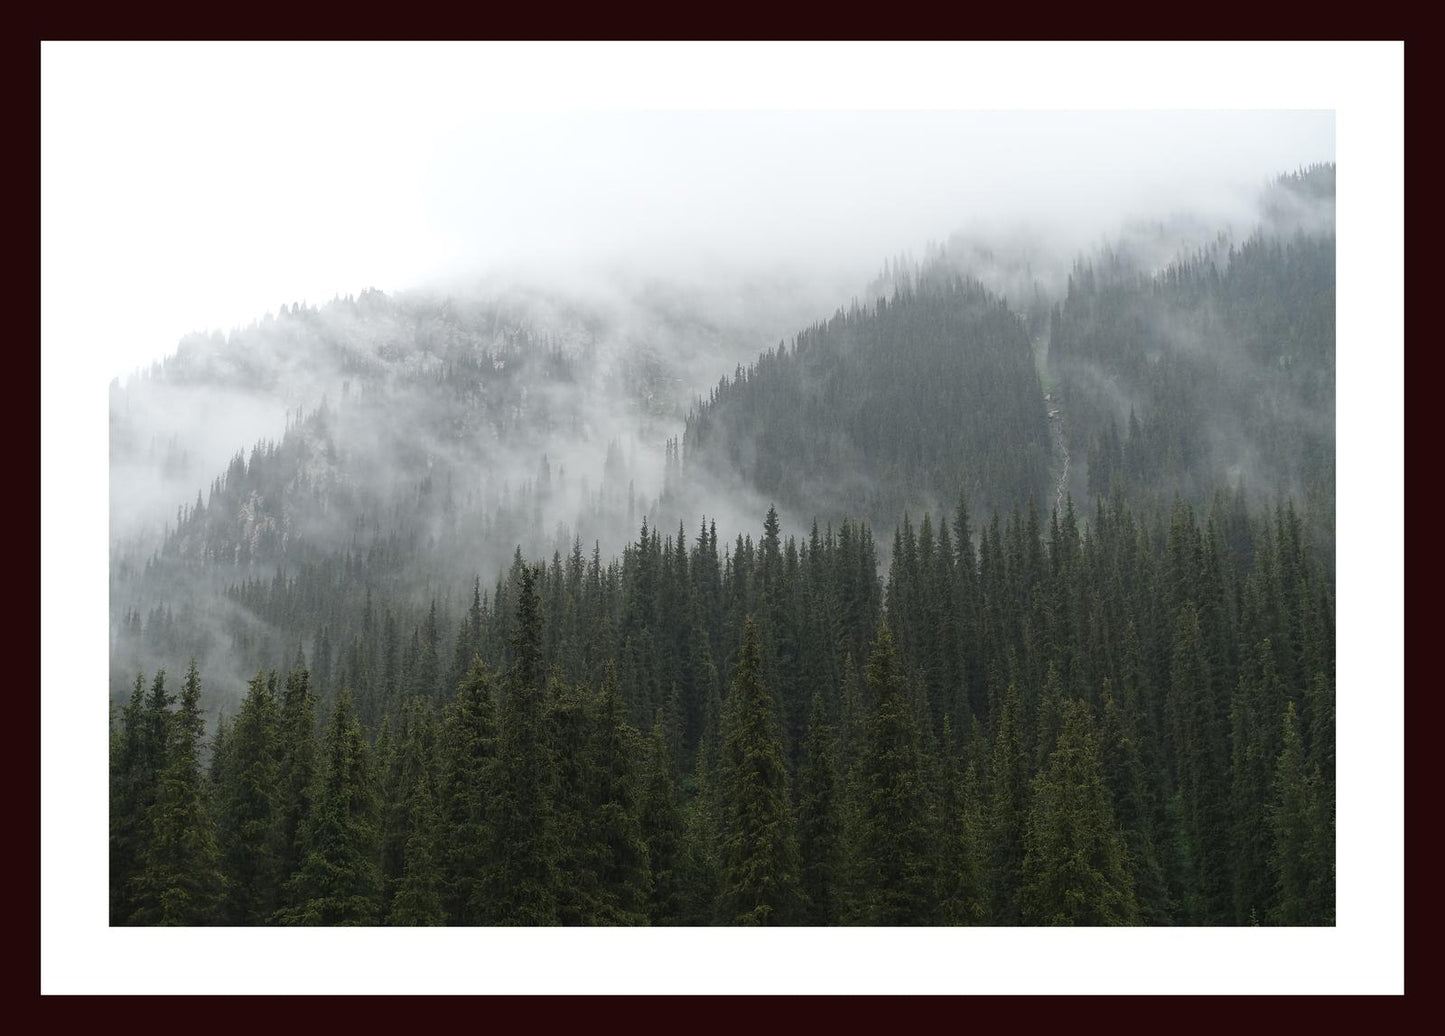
(462, 715)
(882, 407)
(165, 865)
(1129, 722)
(1219, 367)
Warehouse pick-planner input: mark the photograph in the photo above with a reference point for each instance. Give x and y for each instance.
(526, 513)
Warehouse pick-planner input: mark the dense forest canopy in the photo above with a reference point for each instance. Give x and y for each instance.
(1004, 595)
(881, 409)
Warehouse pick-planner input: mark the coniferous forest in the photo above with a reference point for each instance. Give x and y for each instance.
(977, 602)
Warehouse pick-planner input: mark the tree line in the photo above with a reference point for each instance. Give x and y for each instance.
(1128, 722)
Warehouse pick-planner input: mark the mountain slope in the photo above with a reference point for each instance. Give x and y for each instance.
(887, 409)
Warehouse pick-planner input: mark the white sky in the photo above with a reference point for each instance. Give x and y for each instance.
(196, 186)
(200, 185)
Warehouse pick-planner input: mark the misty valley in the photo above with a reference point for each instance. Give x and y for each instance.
(998, 590)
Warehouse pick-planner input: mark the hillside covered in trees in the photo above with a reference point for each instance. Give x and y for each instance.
(943, 612)
(881, 409)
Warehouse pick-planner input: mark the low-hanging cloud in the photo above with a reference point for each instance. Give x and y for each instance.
(654, 252)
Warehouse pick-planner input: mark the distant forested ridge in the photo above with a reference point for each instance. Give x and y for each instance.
(1132, 722)
(944, 612)
(1221, 368)
(887, 407)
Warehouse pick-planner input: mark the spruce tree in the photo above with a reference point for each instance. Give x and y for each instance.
(702, 864)
(339, 881)
(970, 891)
(761, 868)
(249, 801)
(133, 779)
(520, 886)
(418, 900)
(1075, 870)
(1200, 740)
(664, 831)
(1007, 814)
(623, 857)
(1294, 816)
(1132, 799)
(819, 820)
(468, 779)
(409, 760)
(570, 716)
(1255, 746)
(298, 766)
(180, 882)
(897, 855)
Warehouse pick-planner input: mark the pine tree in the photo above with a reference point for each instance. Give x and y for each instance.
(298, 766)
(1294, 816)
(819, 820)
(900, 881)
(427, 672)
(1321, 761)
(1075, 869)
(1007, 814)
(339, 882)
(399, 768)
(1255, 747)
(1186, 642)
(701, 868)
(1050, 716)
(580, 897)
(663, 829)
(180, 882)
(623, 857)
(133, 779)
(469, 777)
(970, 891)
(1200, 737)
(761, 879)
(249, 801)
(418, 900)
(1132, 799)
(520, 887)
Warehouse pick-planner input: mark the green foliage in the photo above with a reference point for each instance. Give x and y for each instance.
(1007, 814)
(418, 900)
(180, 880)
(492, 769)
(520, 883)
(966, 853)
(249, 801)
(1132, 797)
(1300, 876)
(552, 808)
(899, 824)
(878, 407)
(820, 834)
(468, 782)
(604, 859)
(339, 881)
(663, 828)
(297, 765)
(761, 866)
(1200, 747)
(1075, 870)
(1228, 356)
(402, 765)
(625, 865)
(133, 778)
